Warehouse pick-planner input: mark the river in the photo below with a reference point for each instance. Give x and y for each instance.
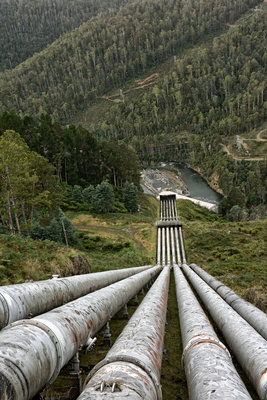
(197, 186)
(184, 182)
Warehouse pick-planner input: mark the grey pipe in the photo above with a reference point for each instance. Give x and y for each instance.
(203, 353)
(254, 316)
(173, 247)
(182, 244)
(179, 261)
(159, 247)
(27, 300)
(163, 247)
(248, 345)
(168, 246)
(32, 352)
(132, 367)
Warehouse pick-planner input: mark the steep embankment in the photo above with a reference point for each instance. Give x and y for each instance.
(22, 258)
(109, 50)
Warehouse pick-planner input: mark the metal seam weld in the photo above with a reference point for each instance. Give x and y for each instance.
(199, 340)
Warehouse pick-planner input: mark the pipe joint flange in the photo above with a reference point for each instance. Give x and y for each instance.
(131, 360)
(54, 340)
(4, 311)
(199, 339)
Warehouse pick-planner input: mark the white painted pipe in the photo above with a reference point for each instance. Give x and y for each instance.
(248, 346)
(32, 352)
(209, 370)
(255, 317)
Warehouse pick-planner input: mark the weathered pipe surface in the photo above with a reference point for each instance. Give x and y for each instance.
(131, 369)
(254, 316)
(249, 347)
(32, 352)
(209, 370)
(27, 300)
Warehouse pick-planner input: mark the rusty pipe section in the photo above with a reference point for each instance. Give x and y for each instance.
(132, 367)
(249, 347)
(27, 300)
(203, 352)
(255, 317)
(32, 352)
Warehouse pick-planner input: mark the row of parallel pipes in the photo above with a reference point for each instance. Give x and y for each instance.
(255, 317)
(202, 349)
(33, 351)
(29, 299)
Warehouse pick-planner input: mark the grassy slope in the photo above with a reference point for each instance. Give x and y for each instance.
(25, 259)
(119, 240)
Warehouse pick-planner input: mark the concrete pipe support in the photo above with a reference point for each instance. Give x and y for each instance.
(27, 300)
(249, 347)
(209, 370)
(131, 369)
(254, 316)
(32, 352)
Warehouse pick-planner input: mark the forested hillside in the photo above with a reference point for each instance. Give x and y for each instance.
(77, 156)
(28, 26)
(220, 88)
(108, 50)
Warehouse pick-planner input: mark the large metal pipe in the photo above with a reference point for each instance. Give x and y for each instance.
(32, 352)
(168, 246)
(177, 246)
(182, 244)
(175, 209)
(249, 347)
(254, 316)
(27, 300)
(163, 247)
(170, 210)
(173, 213)
(132, 367)
(173, 247)
(209, 370)
(159, 247)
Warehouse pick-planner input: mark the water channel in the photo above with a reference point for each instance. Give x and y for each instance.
(197, 186)
(180, 179)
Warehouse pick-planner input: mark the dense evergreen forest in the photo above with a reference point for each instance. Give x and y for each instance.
(28, 26)
(108, 50)
(78, 158)
(220, 88)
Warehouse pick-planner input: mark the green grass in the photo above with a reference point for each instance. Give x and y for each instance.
(22, 258)
(119, 240)
(235, 253)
